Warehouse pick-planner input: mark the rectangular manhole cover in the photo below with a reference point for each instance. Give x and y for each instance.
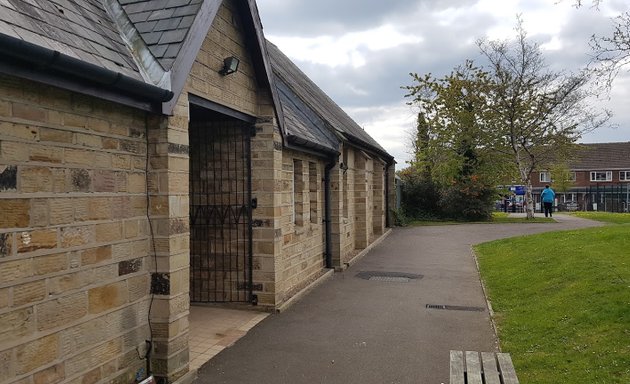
(393, 277)
(455, 308)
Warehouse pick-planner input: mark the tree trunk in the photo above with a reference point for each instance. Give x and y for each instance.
(529, 200)
(525, 173)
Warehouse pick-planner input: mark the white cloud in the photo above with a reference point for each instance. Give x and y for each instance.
(348, 49)
(619, 127)
(361, 54)
(390, 126)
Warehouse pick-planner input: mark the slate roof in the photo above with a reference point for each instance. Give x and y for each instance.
(163, 25)
(302, 125)
(285, 70)
(602, 156)
(168, 34)
(79, 29)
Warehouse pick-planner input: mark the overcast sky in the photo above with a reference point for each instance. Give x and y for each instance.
(360, 52)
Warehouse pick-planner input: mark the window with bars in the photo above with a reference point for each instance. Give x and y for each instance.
(313, 191)
(298, 195)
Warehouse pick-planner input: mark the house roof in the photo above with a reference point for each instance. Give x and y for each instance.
(302, 125)
(602, 156)
(79, 29)
(146, 49)
(316, 99)
(163, 25)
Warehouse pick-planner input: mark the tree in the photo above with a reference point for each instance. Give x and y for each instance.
(611, 53)
(448, 144)
(538, 114)
(562, 177)
(517, 112)
(420, 196)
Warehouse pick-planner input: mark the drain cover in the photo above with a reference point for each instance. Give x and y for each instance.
(455, 308)
(393, 277)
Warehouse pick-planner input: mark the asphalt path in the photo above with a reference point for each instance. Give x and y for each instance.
(356, 330)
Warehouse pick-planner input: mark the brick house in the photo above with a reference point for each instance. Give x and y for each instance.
(142, 169)
(599, 179)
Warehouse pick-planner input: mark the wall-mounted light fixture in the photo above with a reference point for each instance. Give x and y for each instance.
(343, 167)
(230, 65)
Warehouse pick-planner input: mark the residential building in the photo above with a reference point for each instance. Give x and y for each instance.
(598, 180)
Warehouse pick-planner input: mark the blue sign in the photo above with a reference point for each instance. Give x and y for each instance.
(517, 189)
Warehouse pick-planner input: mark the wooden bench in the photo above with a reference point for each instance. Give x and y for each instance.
(482, 368)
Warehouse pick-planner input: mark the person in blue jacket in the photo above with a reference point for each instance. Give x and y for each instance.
(547, 196)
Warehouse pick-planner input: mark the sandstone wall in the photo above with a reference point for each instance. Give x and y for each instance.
(74, 237)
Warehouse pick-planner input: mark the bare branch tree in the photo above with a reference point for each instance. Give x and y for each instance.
(537, 113)
(612, 53)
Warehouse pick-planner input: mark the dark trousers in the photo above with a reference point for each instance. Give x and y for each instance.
(548, 209)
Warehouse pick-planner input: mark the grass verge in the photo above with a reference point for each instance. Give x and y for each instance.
(497, 218)
(606, 217)
(562, 303)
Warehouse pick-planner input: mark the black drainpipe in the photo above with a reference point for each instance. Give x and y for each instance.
(387, 224)
(328, 211)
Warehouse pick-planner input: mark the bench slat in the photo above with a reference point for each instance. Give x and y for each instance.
(490, 371)
(473, 368)
(507, 368)
(457, 367)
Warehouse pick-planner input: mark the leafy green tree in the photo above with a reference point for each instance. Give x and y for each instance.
(517, 114)
(448, 146)
(420, 195)
(562, 177)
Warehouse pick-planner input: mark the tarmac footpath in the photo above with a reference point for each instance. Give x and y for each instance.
(383, 320)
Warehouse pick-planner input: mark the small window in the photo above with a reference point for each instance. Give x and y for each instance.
(624, 175)
(313, 185)
(569, 197)
(298, 195)
(601, 176)
(572, 176)
(545, 177)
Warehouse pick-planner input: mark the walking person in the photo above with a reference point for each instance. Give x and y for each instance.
(547, 196)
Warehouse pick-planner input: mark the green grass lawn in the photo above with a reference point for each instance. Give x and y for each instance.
(614, 218)
(497, 218)
(500, 217)
(562, 303)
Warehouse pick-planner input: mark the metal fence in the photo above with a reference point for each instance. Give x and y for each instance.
(600, 197)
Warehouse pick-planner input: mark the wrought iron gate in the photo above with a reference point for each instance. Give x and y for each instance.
(220, 211)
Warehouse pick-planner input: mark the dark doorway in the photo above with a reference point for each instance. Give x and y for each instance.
(220, 207)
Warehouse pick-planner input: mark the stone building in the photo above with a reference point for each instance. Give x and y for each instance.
(155, 154)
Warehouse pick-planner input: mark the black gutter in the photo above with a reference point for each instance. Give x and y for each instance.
(44, 59)
(328, 211)
(297, 143)
(364, 145)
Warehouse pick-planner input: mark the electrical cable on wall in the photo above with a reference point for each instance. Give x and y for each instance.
(149, 343)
